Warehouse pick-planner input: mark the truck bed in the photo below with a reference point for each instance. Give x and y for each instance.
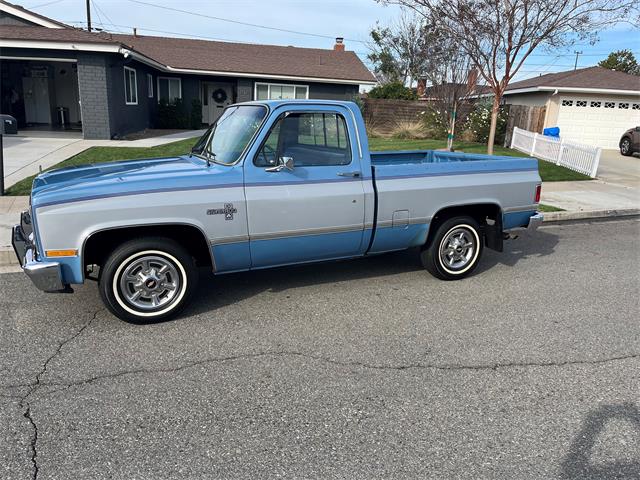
(399, 157)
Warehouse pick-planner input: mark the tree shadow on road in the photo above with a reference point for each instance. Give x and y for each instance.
(577, 464)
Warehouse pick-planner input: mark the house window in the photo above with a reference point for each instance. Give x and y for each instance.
(567, 103)
(596, 104)
(624, 106)
(169, 89)
(130, 86)
(149, 85)
(609, 104)
(277, 91)
(636, 106)
(581, 103)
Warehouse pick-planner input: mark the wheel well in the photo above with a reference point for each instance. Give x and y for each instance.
(99, 245)
(488, 215)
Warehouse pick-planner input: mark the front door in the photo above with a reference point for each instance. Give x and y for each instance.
(315, 211)
(36, 99)
(216, 96)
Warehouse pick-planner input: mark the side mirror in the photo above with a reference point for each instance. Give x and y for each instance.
(283, 163)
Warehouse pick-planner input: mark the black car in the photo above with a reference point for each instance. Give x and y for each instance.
(630, 141)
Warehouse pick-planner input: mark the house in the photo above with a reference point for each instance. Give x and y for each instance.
(55, 76)
(594, 106)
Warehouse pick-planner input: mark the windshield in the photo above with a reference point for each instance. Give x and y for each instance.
(232, 132)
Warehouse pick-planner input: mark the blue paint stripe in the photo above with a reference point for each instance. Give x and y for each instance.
(380, 176)
(140, 192)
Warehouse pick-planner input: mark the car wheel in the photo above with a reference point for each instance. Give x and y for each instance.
(147, 280)
(625, 147)
(454, 250)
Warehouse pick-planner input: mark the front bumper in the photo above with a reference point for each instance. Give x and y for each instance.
(535, 221)
(46, 276)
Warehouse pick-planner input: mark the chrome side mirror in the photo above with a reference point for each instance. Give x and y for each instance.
(283, 163)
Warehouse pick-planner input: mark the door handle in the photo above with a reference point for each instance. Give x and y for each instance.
(348, 174)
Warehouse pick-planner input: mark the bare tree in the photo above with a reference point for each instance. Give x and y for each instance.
(397, 50)
(451, 76)
(499, 35)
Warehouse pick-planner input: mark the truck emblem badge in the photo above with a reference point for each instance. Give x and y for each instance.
(227, 211)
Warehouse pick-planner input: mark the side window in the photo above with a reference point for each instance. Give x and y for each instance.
(311, 139)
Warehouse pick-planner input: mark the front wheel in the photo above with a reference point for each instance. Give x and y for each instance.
(455, 249)
(625, 147)
(147, 280)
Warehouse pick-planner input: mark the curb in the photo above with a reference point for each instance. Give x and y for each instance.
(587, 215)
(8, 257)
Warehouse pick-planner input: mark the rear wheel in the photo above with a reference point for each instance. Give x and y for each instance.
(455, 249)
(625, 147)
(147, 280)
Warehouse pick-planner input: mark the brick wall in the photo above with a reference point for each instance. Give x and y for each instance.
(93, 84)
(383, 115)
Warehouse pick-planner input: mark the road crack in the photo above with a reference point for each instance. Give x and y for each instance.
(37, 383)
(285, 353)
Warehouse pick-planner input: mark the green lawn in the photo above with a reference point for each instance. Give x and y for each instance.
(548, 208)
(548, 171)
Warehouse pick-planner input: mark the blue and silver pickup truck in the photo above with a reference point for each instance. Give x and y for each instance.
(269, 184)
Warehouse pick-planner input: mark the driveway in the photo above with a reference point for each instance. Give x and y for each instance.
(617, 187)
(25, 153)
(529, 369)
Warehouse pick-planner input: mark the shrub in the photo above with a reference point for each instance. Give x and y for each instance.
(195, 119)
(434, 123)
(479, 122)
(393, 90)
(409, 131)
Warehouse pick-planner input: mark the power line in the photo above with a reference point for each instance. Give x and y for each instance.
(238, 22)
(95, 4)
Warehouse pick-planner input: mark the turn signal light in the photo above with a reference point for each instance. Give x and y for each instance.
(61, 253)
(537, 195)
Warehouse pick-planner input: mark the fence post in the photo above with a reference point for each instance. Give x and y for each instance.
(1, 164)
(561, 152)
(514, 132)
(533, 145)
(596, 162)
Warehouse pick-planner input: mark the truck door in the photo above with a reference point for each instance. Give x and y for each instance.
(304, 188)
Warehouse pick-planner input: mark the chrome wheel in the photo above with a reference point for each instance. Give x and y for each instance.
(150, 282)
(625, 146)
(458, 248)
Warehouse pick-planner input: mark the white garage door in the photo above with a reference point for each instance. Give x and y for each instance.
(597, 121)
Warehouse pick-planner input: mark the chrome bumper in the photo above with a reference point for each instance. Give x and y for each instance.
(535, 221)
(46, 276)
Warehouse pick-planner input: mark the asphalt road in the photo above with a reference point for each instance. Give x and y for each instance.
(362, 369)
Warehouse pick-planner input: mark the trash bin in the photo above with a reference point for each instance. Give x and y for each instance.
(63, 116)
(551, 132)
(8, 125)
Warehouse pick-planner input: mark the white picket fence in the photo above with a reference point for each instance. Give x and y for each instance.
(581, 158)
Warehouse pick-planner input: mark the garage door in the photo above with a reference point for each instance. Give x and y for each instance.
(599, 122)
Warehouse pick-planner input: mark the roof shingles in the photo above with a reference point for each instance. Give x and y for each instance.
(204, 55)
(591, 77)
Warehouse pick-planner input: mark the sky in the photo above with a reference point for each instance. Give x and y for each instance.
(309, 23)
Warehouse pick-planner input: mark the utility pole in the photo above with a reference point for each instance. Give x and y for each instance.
(578, 53)
(89, 15)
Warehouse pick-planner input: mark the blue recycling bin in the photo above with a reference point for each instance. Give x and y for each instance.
(551, 132)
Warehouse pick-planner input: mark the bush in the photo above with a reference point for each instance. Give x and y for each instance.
(393, 90)
(435, 124)
(409, 131)
(176, 115)
(195, 118)
(479, 123)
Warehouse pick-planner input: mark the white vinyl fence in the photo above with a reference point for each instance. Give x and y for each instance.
(581, 158)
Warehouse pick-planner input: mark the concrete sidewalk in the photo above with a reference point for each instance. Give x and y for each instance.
(24, 154)
(617, 187)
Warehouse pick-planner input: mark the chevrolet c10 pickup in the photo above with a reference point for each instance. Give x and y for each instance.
(269, 184)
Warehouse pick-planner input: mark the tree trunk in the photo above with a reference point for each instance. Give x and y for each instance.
(494, 123)
(452, 127)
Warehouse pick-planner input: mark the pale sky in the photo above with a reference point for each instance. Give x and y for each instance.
(351, 19)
